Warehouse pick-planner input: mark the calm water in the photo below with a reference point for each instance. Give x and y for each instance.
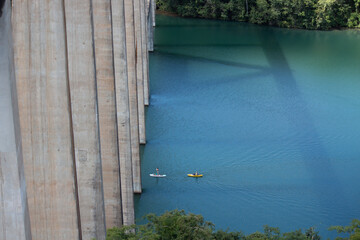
(270, 116)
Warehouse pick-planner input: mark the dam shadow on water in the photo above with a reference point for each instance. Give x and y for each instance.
(226, 101)
(325, 183)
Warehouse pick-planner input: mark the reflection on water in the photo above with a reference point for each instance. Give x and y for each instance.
(270, 116)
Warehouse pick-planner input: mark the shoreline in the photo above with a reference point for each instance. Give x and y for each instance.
(166, 13)
(172, 14)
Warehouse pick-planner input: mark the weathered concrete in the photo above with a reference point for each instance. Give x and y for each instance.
(150, 16)
(153, 4)
(123, 110)
(82, 78)
(133, 101)
(107, 111)
(41, 75)
(139, 70)
(14, 214)
(145, 52)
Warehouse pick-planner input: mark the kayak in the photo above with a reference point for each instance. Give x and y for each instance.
(193, 175)
(157, 175)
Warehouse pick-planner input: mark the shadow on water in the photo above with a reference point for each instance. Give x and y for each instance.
(183, 25)
(317, 162)
(207, 45)
(257, 71)
(209, 60)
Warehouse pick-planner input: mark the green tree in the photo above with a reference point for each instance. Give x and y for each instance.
(256, 236)
(332, 13)
(226, 235)
(353, 230)
(308, 14)
(260, 13)
(121, 233)
(354, 20)
(178, 225)
(312, 234)
(272, 233)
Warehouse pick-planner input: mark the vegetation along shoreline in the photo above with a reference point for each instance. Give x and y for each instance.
(177, 224)
(301, 14)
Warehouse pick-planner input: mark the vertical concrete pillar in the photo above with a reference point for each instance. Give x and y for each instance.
(123, 110)
(41, 75)
(139, 70)
(145, 54)
(153, 4)
(14, 214)
(107, 112)
(150, 26)
(82, 78)
(132, 84)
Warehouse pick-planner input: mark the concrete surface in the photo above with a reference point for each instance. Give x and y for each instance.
(107, 111)
(145, 51)
(153, 4)
(14, 214)
(123, 110)
(84, 109)
(139, 70)
(150, 32)
(81, 74)
(132, 85)
(41, 76)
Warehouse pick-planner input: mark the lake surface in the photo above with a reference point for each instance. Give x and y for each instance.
(270, 116)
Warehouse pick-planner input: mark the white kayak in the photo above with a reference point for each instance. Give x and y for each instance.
(156, 175)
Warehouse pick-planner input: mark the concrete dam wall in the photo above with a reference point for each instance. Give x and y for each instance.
(74, 86)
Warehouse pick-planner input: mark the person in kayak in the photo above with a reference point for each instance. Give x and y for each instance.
(196, 173)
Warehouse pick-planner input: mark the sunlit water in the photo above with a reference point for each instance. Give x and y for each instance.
(270, 116)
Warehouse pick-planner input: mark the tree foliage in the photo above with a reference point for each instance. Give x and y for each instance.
(308, 14)
(178, 225)
(353, 230)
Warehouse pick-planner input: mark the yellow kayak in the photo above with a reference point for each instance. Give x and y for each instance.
(195, 175)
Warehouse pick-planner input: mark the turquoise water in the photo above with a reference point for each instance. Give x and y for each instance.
(270, 116)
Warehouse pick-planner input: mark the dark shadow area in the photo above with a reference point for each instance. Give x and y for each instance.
(185, 25)
(207, 45)
(240, 77)
(1, 6)
(204, 59)
(315, 157)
